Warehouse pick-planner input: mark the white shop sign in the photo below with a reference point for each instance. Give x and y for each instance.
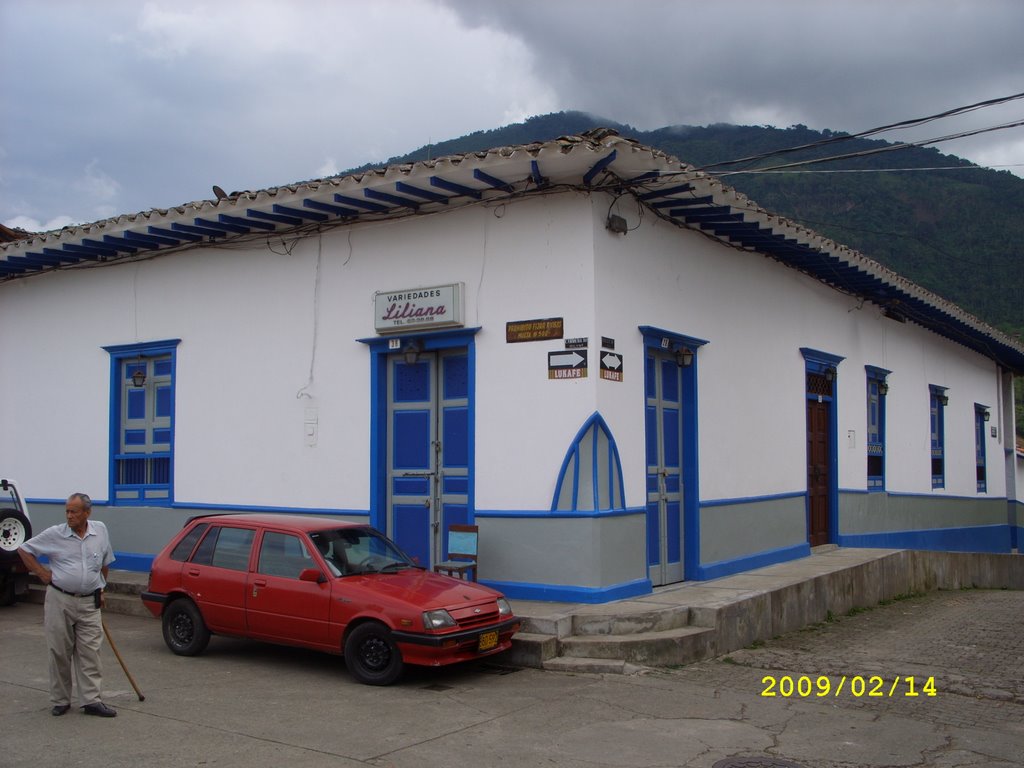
(408, 309)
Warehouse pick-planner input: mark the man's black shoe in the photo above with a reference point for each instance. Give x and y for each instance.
(99, 709)
(60, 709)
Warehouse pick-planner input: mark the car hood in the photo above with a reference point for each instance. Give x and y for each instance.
(424, 589)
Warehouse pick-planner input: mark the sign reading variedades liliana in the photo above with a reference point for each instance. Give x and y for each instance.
(439, 306)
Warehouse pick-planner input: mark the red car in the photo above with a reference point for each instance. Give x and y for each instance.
(338, 587)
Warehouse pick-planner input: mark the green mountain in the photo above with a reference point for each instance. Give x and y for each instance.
(959, 233)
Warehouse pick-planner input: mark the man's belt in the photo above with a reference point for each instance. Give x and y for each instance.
(73, 594)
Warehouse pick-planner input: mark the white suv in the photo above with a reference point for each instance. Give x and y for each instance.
(15, 530)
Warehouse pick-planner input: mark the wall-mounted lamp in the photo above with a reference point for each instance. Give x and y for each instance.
(883, 388)
(943, 399)
(684, 357)
(412, 352)
(830, 373)
(986, 414)
(616, 224)
(139, 376)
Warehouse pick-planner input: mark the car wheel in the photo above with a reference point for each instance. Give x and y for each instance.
(8, 596)
(185, 631)
(15, 530)
(372, 656)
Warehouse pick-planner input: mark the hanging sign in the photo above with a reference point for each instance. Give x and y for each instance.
(439, 306)
(571, 364)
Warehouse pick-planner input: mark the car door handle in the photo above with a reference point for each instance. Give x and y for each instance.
(260, 583)
(193, 571)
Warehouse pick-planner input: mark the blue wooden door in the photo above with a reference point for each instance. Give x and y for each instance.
(664, 439)
(428, 450)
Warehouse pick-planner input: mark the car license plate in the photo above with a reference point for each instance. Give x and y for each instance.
(488, 640)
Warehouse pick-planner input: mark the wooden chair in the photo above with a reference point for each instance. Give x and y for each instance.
(462, 547)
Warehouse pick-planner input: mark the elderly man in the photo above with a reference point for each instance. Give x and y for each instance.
(79, 555)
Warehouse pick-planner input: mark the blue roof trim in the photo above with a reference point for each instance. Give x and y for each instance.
(281, 218)
(451, 186)
(212, 233)
(245, 223)
(426, 194)
(495, 182)
(336, 210)
(365, 204)
(386, 197)
(299, 213)
(192, 238)
(599, 166)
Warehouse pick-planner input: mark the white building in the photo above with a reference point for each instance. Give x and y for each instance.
(624, 372)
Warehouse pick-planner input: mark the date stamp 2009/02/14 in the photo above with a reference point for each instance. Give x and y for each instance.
(857, 686)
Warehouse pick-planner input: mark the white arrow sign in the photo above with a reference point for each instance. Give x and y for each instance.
(611, 361)
(565, 359)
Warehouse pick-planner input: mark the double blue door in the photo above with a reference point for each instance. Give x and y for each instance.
(428, 450)
(664, 436)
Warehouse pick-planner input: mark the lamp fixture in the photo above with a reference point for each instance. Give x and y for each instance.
(943, 400)
(830, 373)
(139, 376)
(616, 224)
(883, 388)
(411, 352)
(986, 414)
(684, 357)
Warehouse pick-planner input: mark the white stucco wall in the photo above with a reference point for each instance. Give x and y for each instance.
(252, 318)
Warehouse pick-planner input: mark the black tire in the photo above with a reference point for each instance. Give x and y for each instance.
(371, 655)
(185, 631)
(15, 530)
(8, 595)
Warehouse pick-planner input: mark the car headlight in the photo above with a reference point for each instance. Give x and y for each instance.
(504, 609)
(439, 619)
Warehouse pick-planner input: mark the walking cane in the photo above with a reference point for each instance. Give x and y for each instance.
(116, 653)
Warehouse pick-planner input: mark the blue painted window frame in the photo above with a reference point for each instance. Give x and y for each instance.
(146, 493)
(937, 419)
(877, 387)
(979, 447)
(593, 456)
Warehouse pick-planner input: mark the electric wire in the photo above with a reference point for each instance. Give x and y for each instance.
(902, 124)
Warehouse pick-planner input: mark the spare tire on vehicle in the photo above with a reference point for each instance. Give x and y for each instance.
(15, 530)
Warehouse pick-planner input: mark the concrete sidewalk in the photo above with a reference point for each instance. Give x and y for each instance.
(690, 621)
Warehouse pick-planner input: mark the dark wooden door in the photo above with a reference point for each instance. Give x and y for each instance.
(818, 479)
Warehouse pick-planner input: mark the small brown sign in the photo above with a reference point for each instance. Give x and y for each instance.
(533, 330)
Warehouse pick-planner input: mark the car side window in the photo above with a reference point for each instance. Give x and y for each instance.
(282, 554)
(225, 548)
(184, 547)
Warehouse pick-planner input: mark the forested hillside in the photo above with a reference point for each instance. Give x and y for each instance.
(959, 233)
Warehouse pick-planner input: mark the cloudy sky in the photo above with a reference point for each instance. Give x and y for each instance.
(119, 106)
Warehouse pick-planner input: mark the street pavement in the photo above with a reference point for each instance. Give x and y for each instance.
(247, 704)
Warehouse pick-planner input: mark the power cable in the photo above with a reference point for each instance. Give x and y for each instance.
(911, 123)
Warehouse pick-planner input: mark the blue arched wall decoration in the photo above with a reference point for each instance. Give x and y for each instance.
(593, 461)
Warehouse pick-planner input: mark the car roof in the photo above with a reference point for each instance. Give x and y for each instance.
(305, 523)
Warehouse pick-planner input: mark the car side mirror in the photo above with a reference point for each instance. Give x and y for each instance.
(312, 574)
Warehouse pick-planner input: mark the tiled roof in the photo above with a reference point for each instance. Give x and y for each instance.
(596, 160)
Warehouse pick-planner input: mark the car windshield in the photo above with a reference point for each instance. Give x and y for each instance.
(359, 550)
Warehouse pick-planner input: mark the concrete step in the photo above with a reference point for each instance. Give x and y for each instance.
(630, 623)
(592, 666)
(531, 649)
(661, 648)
